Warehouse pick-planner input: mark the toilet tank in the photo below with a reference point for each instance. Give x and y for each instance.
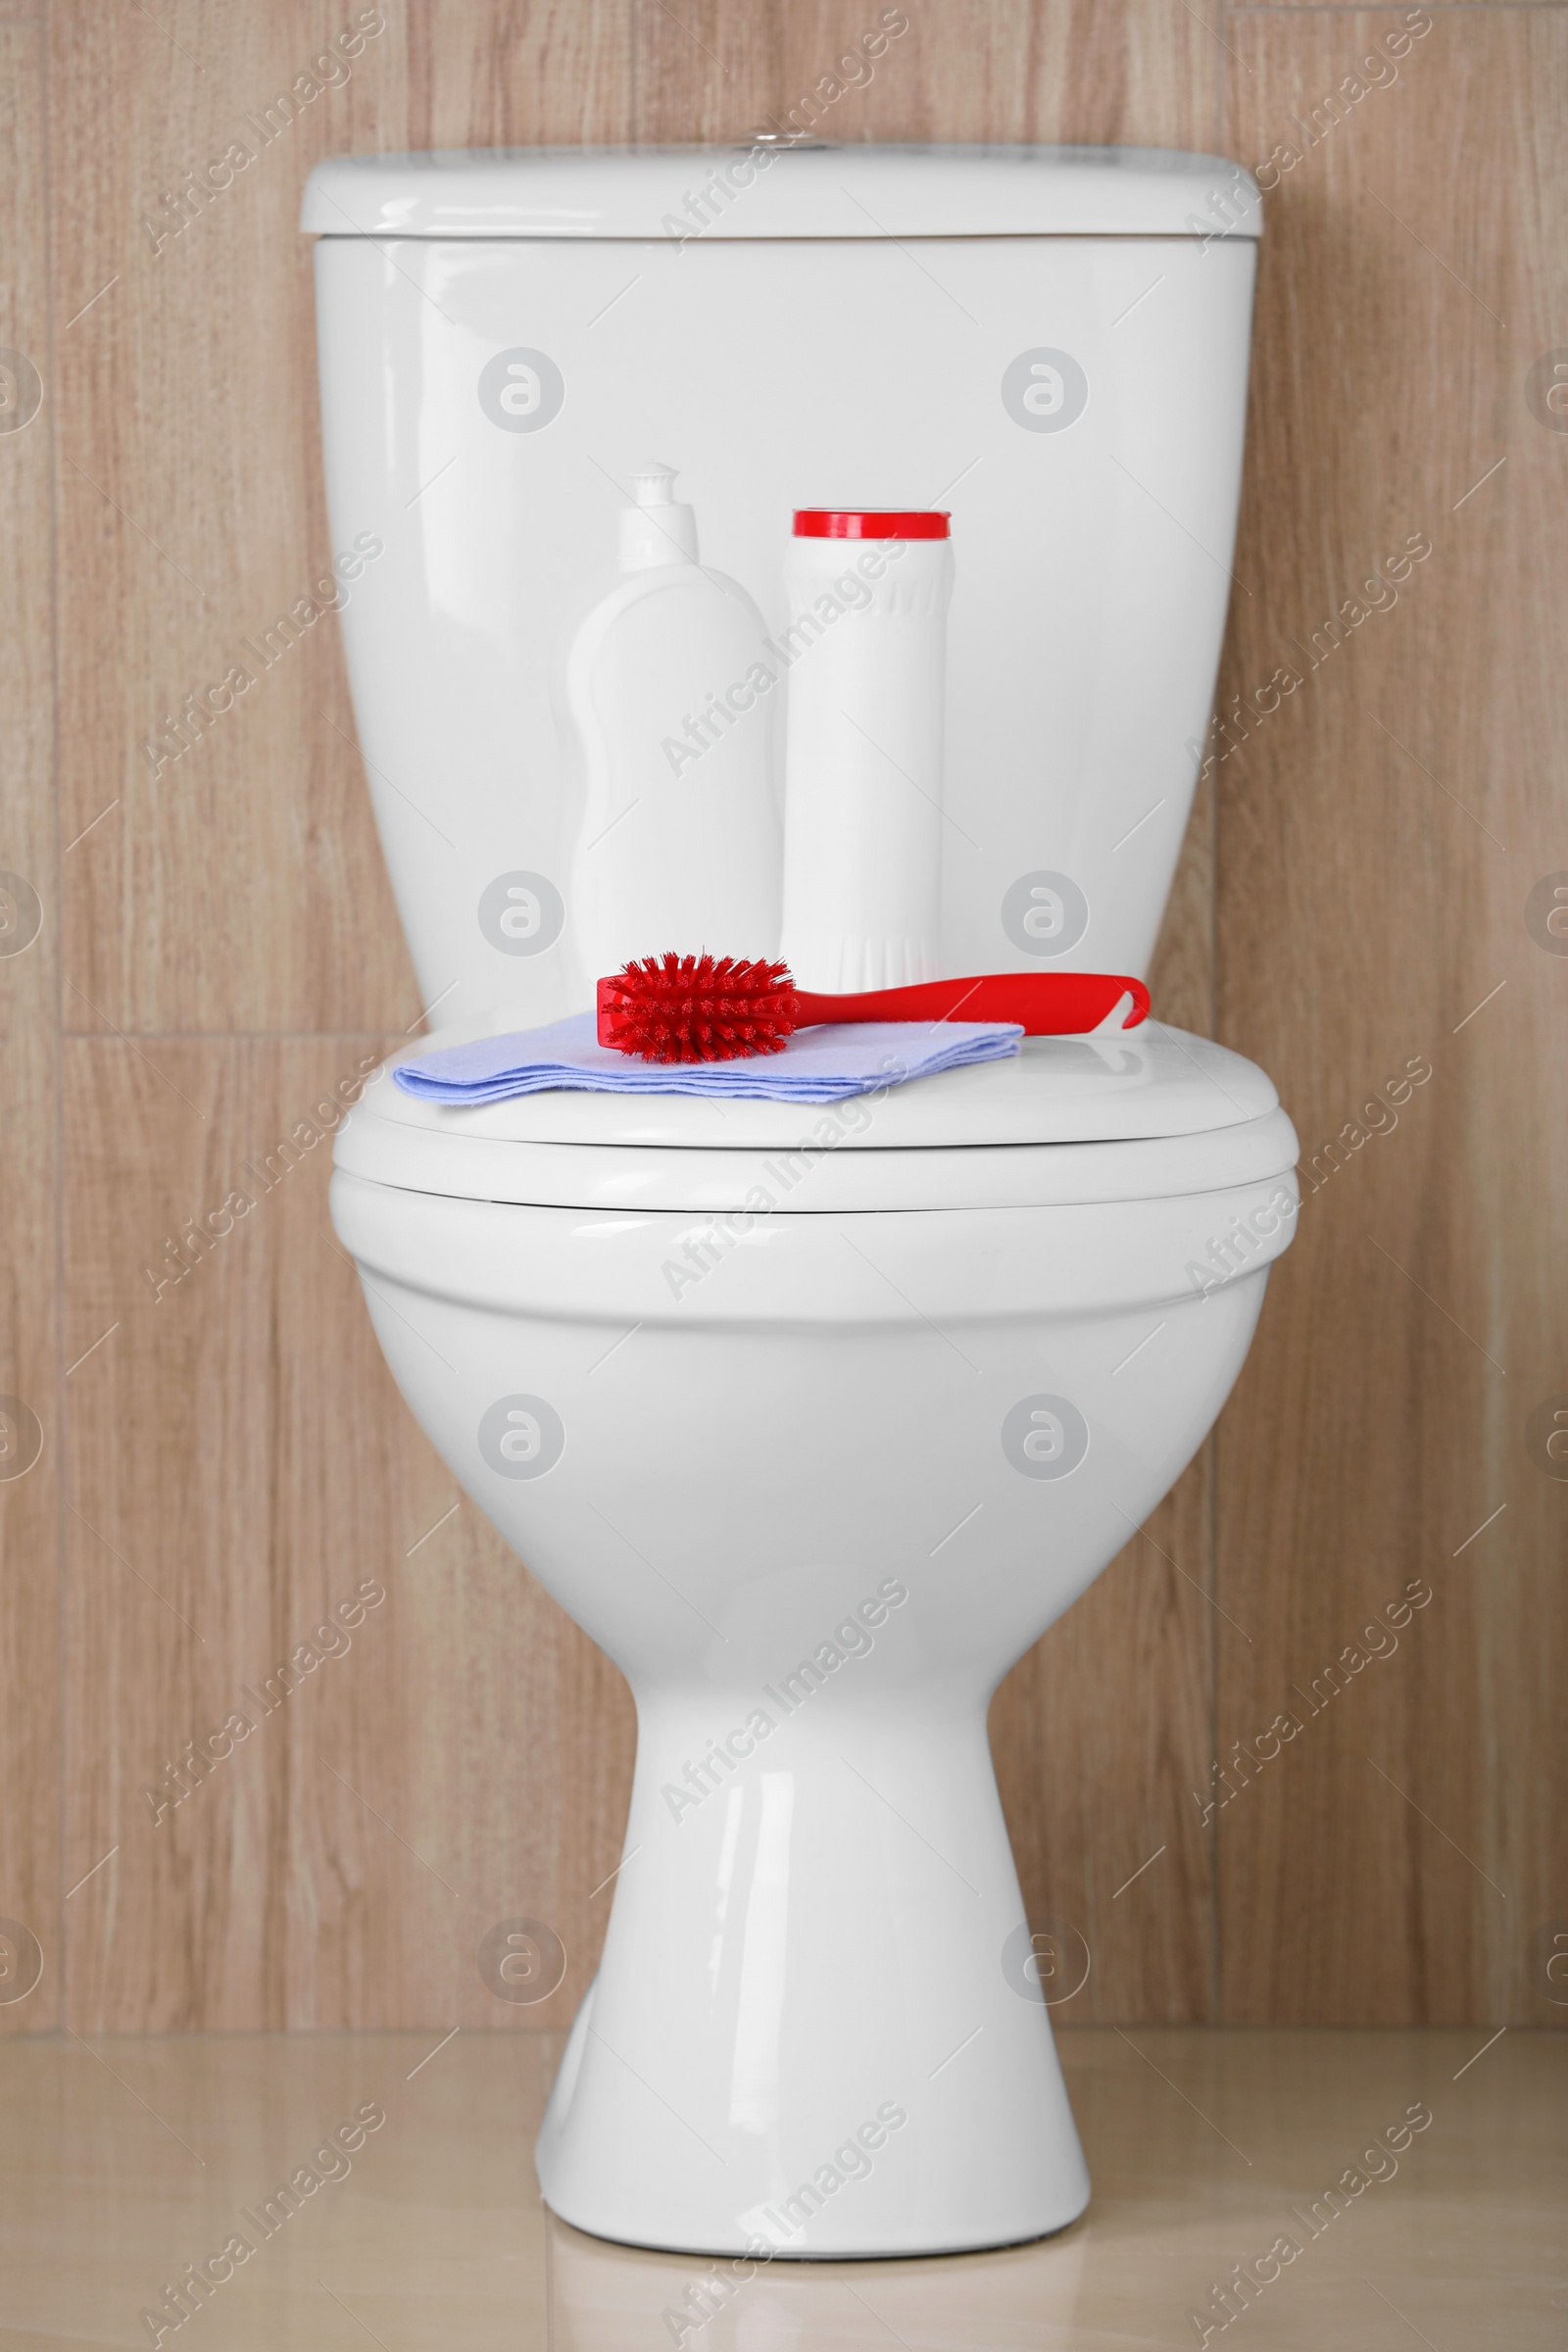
(1052, 343)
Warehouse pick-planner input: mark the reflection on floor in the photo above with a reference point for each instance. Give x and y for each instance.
(416, 2223)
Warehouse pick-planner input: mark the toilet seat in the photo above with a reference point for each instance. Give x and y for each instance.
(1145, 1115)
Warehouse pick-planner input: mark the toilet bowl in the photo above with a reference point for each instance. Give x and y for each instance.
(814, 1421)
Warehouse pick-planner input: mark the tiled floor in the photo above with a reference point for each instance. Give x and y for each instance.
(122, 2161)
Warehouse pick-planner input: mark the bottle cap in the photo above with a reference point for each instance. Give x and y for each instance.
(654, 485)
(657, 529)
(871, 522)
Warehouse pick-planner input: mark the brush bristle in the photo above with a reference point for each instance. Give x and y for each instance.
(696, 1009)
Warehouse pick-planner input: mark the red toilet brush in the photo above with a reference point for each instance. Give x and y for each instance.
(696, 1009)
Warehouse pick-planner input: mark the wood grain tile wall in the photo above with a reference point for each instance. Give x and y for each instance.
(1379, 839)
(1366, 886)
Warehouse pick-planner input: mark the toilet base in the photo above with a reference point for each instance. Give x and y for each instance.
(818, 2032)
(750, 2264)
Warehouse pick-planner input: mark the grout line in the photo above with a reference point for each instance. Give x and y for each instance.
(136, 1050)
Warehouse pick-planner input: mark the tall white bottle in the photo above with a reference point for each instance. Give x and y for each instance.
(665, 706)
(868, 592)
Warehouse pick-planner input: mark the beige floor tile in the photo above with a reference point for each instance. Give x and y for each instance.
(130, 2159)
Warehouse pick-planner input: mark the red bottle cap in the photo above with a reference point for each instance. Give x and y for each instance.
(871, 522)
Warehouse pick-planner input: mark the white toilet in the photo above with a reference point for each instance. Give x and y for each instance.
(813, 1419)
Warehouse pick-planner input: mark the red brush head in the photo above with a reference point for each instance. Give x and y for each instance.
(692, 1008)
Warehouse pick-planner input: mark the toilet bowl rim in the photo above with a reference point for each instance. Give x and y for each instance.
(1018, 1262)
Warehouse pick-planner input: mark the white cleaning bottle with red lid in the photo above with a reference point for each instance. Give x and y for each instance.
(664, 707)
(868, 590)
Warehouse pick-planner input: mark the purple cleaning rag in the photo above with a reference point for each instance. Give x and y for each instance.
(824, 1064)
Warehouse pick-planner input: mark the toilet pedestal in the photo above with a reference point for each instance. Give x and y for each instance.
(818, 2027)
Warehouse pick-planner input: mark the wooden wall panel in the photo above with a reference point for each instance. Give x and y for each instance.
(1380, 837)
(231, 947)
(249, 1468)
(557, 73)
(239, 887)
(31, 1371)
(1128, 72)
(257, 1450)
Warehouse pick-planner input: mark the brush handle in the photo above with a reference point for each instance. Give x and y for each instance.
(1048, 1003)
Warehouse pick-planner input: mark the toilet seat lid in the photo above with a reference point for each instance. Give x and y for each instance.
(1130, 1114)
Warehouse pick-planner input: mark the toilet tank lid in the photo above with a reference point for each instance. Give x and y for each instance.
(767, 187)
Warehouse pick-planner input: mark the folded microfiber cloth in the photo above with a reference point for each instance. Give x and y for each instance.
(824, 1064)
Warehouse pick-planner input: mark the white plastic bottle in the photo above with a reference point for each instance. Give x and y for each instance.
(868, 592)
(664, 703)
